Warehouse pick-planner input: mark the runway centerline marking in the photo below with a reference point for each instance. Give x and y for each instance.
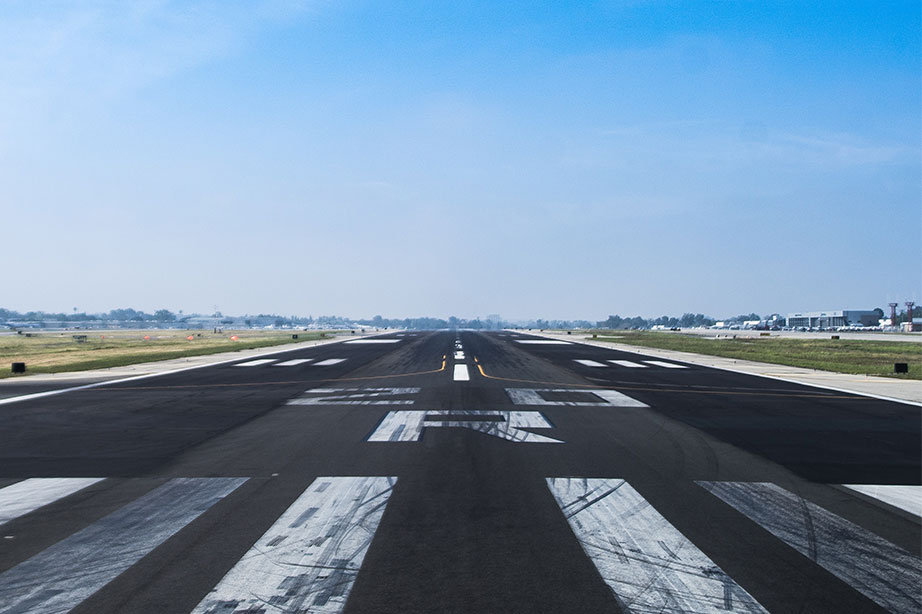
(408, 425)
(461, 373)
(878, 569)
(645, 561)
(309, 558)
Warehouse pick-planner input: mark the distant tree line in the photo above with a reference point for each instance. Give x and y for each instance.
(122, 315)
(165, 316)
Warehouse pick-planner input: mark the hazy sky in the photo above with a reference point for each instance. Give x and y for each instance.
(532, 159)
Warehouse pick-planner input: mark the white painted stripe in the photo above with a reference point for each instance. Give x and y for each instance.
(356, 396)
(778, 378)
(23, 497)
(459, 356)
(667, 365)
(908, 498)
(646, 562)
(329, 362)
(375, 341)
(134, 378)
(541, 342)
(408, 425)
(871, 565)
(293, 362)
(62, 576)
(461, 373)
(605, 398)
(590, 363)
(309, 559)
(628, 363)
(255, 363)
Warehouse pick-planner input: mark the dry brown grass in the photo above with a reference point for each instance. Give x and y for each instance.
(55, 352)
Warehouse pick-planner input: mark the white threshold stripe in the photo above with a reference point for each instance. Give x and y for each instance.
(461, 373)
(309, 559)
(23, 497)
(589, 363)
(329, 362)
(375, 341)
(62, 576)
(628, 363)
(255, 363)
(646, 562)
(293, 363)
(907, 498)
(542, 342)
(879, 570)
(667, 365)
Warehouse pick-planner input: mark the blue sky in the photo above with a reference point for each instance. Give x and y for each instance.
(527, 159)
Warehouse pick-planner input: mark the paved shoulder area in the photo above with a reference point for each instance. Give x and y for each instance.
(45, 382)
(895, 389)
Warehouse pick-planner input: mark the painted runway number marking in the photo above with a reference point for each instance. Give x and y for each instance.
(356, 396)
(570, 397)
(408, 425)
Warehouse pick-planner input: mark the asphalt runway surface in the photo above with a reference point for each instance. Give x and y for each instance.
(458, 471)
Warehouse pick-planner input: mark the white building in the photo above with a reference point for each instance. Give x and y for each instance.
(833, 318)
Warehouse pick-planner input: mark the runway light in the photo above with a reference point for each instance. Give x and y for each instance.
(190, 337)
(234, 337)
(146, 337)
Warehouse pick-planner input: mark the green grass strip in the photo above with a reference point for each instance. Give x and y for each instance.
(861, 357)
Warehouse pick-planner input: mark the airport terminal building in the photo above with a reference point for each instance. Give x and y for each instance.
(830, 319)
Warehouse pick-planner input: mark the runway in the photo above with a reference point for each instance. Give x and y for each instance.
(459, 471)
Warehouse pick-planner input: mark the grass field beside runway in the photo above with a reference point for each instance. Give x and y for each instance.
(840, 355)
(57, 352)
